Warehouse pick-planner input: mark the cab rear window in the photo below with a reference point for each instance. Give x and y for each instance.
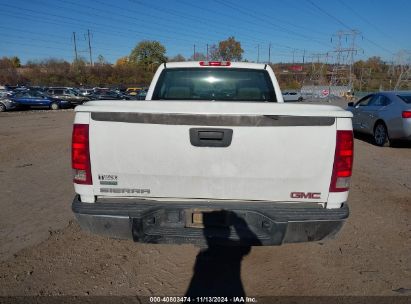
(215, 84)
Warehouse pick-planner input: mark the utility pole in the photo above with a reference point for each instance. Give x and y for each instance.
(194, 54)
(89, 48)
(207, 52)
(258, 53)
(75, 45)
(269, 53)
(304, 57)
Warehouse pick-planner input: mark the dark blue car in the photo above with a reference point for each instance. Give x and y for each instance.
(36, 99)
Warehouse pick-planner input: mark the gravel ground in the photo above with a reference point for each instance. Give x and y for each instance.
(44, 252)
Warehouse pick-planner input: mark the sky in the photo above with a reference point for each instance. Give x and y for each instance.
(293, 30)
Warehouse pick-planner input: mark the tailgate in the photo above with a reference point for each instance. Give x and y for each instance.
(211, 153)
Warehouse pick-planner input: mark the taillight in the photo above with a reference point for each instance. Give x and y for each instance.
(215, 63)
(343, 160)
(406, 114)
(80, 155)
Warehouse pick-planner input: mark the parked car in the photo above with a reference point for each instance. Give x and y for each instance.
(12, 88)
(384, 115)
(141, 95)
(7, 104)
(86, 92)
(119, 90)
(133, 91)
(34, 99)
(67, 94)
(292, 96)
(37, 88)
(19, 89)
(109, 95)
(4, 93)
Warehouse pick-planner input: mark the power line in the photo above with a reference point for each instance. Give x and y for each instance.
(345, 25)
(176, 13)
(363, 18)
(328, 14)
(34, 45)
(30, 32)
(166, 28)
(218, 12)
(111, 33)
(100, 25)
(186, 16)
(250, 14)
(102, 17)
(61, 21)
(206, 21)
(105, 32)
(33, 39)
(59, 42)
(38, 46)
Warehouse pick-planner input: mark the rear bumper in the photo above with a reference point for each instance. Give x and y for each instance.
(246, 223)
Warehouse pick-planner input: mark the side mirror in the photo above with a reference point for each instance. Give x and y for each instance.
(351, 104)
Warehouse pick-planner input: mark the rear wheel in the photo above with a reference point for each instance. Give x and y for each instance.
(54, 106)
(300, 99)
(2, 107)
(381, 135)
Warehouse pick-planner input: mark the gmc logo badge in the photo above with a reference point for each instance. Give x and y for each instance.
(309, 195)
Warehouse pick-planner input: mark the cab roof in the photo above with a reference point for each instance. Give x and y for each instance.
(196, 64)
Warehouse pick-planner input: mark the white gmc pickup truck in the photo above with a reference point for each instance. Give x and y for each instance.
(213, 153)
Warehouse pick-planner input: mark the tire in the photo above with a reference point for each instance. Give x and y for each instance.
(54, 106)
(2, 107)
(380, 135)
(300, 99)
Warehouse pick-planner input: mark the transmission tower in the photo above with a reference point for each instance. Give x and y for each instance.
(345, 50)
(318, 62)
(365, 76)
(403, 61)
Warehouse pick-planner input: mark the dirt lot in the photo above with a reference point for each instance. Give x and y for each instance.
(43, 251)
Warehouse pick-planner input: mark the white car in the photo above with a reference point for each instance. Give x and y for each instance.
(213, 155)
(292, 96)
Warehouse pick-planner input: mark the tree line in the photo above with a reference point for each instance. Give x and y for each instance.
(135, 69)
(139, 66)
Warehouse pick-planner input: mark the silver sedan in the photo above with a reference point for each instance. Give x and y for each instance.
(7, 104)
(384, 115)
